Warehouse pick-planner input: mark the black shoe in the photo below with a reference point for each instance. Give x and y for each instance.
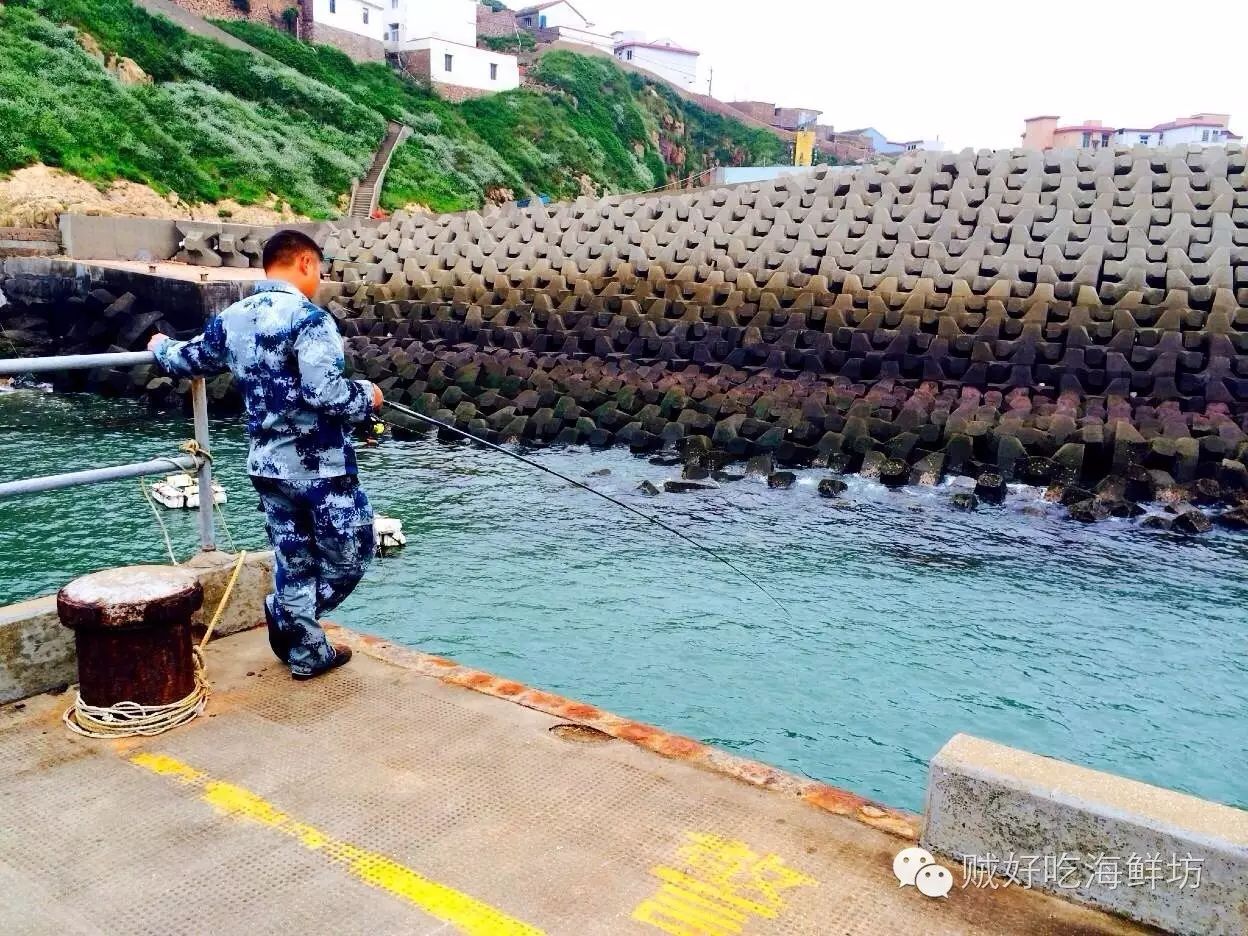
(277, 641)
(342, 653)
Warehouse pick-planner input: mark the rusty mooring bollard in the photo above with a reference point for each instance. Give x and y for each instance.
(132, 627)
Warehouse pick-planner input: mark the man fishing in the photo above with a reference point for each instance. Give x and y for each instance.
(286, 355)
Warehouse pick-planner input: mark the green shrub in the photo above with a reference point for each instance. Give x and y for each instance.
(514, 44)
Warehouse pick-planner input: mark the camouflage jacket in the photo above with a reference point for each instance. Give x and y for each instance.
(286, 356)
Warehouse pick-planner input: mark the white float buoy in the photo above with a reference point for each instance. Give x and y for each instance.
(181, 492)
(388, 533)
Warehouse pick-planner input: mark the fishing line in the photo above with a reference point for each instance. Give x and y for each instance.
(584, 487)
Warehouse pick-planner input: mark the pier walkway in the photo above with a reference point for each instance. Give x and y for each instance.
(384, 799)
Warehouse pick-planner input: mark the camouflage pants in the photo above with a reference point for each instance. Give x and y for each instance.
(322, 534)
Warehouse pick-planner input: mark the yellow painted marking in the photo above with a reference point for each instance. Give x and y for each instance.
(720, 885)
(467, 914)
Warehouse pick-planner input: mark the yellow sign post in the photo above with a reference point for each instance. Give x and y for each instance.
(804, 148)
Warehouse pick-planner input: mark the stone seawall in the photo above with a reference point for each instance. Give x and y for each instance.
(1067, 319)
(58, 306)
(1077, 321)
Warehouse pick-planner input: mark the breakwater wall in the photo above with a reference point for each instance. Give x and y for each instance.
(1065, 318)
(60, 306)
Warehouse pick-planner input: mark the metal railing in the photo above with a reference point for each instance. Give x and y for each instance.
(10, 367)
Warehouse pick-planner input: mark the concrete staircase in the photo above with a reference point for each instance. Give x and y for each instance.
(366, 192)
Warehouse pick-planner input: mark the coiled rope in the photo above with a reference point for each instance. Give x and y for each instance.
(130, 719)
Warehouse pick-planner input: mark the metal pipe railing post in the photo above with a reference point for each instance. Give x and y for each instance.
(97, 475)
(44, 365)
(199, 404)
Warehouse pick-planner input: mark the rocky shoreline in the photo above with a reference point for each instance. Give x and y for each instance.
(1100, 456)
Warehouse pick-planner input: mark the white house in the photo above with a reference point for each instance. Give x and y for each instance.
(662, 57)
(931, 146)
(561, 21)
(437, 40)
(879, 143)
(1201, 129)
(357, 27)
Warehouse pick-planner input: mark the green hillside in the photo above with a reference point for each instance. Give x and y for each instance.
(222, 123)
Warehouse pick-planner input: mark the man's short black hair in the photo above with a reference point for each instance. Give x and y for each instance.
(284, 246)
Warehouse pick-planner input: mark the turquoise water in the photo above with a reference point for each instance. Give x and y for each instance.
(1111, 646)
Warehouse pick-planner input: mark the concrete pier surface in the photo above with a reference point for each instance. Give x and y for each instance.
(404, 794)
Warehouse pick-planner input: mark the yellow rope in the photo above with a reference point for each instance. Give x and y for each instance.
(127, 719)
(225, 597)
(191, 447)
(225, 526)
(159, 522)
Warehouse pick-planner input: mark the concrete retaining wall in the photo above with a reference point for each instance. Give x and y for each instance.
(52, 294)
(29, 242)
(738, 175)
(359, 48)
(210, 243)
(92, 237)
(1151, 855)
(37, 653)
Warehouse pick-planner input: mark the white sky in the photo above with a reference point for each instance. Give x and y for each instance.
(966, 71)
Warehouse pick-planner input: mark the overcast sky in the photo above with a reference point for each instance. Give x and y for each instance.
(966, 71)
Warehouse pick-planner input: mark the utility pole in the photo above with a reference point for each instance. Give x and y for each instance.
(710, 82)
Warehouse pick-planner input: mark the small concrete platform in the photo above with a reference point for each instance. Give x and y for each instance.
(171, 269)
(384, 799)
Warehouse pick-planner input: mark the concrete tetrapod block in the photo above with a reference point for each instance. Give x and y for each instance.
(1134, 848)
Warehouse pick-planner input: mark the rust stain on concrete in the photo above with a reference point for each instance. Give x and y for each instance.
(821, 796)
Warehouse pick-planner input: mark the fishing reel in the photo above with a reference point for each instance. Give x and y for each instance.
(372, 431)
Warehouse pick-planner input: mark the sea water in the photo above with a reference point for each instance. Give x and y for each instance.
(1112, 646)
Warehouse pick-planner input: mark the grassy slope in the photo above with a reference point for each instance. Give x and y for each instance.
(613, 126)
(218, 123)
(443, 164)
(221, 123)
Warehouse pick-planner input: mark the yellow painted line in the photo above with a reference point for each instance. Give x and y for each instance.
(467, 914)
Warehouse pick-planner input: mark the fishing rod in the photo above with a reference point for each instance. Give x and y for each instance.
(584, 487)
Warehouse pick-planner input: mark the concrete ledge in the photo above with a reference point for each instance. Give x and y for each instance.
(246, 607)
(1127, 844)
(37, 653)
